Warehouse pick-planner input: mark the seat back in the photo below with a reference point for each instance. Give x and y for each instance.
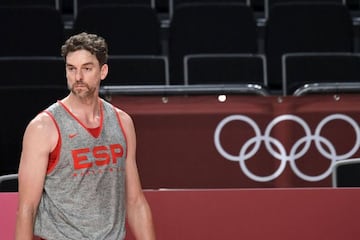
(269, 3)
(21, 104)
(300, 69)
(225, 69)
(209, 28)
(346, 173)
(175, 3)
(28, 86)
(32, 71)
(137, 70)
(130, 29)
(44, 3)
(305, 27)
(30, 31)
(9, 183)
(79, 4)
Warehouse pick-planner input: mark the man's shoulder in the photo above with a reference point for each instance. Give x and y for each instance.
(118, 110)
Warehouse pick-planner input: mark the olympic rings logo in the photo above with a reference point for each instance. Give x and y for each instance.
(277, 150)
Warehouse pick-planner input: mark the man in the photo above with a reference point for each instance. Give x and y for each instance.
(78, 175)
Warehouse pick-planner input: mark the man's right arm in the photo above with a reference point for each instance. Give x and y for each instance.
(39, 140)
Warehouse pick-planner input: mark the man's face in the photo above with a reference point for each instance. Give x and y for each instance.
(84, 73)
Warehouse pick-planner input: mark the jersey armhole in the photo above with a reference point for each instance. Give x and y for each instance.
(121, 126)
(55, 153)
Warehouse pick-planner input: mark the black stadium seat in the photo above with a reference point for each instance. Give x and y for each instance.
(222, 28)
(128, 29)
(269, 3)
(43, 3)
(32, 71)
(345, 173)
(326, 70)
(21, 105)
(305, 27)
(225, 69)
(28, 85)
(137, 70)
(31, 31)
(9, 183)
(175, 3)
(79, 4)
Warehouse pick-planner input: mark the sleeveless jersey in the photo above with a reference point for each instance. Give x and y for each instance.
(84, 190)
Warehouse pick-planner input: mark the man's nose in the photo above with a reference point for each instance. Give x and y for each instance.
(78, 75)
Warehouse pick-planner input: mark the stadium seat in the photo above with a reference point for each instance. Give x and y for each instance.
(305, 27)
(130, 29)
(79, 4)
(137, 70)
(9, 183)
(43, 3)
(269, 3)
(328, 72)
(22, 104)
(30, 31)
(345, 173)
(32, 71)
(28, 86)
(175, 3)
(222, 28)
(225, 69)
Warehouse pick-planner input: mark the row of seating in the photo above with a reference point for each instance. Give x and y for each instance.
(27, 31)
(162, 6)
(302, 73)
(207, 43)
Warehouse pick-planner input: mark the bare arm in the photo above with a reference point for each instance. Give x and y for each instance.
(138, 210)
(39, 139)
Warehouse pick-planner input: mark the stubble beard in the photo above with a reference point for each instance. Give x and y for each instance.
(84, 92)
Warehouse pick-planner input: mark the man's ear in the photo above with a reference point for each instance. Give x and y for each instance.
(104, 71)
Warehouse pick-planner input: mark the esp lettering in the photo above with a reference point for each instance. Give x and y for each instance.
(101, 155)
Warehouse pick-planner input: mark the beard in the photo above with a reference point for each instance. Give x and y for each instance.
(82, 90)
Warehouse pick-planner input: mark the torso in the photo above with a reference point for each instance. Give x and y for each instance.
(85, 183)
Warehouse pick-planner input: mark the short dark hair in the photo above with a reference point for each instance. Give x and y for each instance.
(93, 43)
